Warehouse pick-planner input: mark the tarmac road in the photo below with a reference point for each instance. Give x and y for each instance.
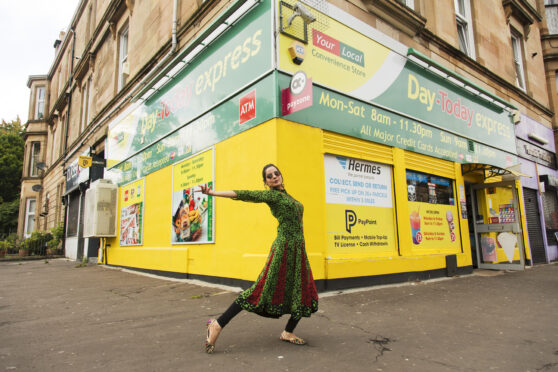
(58, 317)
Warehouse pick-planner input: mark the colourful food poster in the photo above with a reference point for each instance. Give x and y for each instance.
(131, 213)
(433, 226)
(359, 206)
(488, 246)
(192, 218)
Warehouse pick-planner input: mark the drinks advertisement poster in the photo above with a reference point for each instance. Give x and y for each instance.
(433, 226)
(192, 218)
(131, 213)
(359, 206)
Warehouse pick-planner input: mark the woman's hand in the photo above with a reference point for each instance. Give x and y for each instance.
(206, 189)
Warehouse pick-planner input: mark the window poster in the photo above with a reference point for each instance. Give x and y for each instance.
(432, 211)
(131, 213)
(192, 218)
(359, 206)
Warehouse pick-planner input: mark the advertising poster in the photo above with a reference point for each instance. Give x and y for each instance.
(131, 213)
(433, 212)
(433, 226)
(359, 206)
(192, 218)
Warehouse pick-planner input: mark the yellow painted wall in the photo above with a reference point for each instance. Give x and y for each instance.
(244, 231)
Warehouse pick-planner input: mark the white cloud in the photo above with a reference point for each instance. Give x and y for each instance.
(29, 29)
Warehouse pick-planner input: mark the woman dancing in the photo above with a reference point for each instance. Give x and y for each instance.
(286, 284)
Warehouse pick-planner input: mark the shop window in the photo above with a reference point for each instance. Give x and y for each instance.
(29, 217)
(73, 214)
(432, 212)
(517, 46)
(34, 159)
(464, 26)
(40, 103)
(426, 188)
(123, 67)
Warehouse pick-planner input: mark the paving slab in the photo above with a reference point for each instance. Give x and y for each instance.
(57, 316)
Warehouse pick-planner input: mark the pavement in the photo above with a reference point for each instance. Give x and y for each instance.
(59, 316)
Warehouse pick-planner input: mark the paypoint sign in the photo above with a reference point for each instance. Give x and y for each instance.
(359, 206)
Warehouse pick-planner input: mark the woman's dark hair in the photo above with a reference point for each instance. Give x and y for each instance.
(265, 168)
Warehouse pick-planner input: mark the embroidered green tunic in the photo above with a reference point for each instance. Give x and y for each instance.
(286, 284)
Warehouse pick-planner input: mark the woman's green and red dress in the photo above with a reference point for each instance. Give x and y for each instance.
(286, 284)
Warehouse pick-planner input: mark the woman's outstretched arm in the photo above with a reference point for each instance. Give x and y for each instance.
(226, 194)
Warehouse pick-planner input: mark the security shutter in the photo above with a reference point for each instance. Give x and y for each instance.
(356, 148)
(534, 226)
(550, 208)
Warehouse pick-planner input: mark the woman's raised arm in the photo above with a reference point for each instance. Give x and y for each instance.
(226, 194)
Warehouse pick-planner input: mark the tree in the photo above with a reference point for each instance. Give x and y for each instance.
(11, 165)
(11, 159)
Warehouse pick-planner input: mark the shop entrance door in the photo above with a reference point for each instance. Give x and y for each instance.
(497, 226)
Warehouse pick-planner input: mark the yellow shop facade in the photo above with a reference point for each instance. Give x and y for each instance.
(405, 169)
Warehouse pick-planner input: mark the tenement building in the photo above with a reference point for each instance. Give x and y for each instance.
(419, 135)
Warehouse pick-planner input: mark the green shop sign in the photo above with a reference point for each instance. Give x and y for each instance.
(426, 96)
(213, 127)
(233, 61)
(338, 113)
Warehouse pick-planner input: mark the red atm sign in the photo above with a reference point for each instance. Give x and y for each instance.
(247, 109)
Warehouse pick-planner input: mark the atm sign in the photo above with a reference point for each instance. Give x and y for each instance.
(247, 109)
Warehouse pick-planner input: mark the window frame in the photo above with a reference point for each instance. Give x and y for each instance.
(518, 60)
(40, 102)
(464, 21)
(53, 157)
(123, 35)
(407, 3)
(89, 101)
(84, 107)
(28, 214)
(34, 157)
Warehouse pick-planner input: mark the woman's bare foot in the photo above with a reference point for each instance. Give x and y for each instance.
(213, 331)
(292, 338)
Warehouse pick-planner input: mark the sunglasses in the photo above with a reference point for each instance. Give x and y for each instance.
(270, 175)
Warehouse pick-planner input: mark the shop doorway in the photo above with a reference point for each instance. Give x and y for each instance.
(497, 226)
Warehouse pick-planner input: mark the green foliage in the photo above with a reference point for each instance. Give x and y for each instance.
(35, 242)
(11, 159)
(4, 246)
(8, 217)
(58, 232)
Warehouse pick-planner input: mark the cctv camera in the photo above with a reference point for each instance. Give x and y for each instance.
(303, 12)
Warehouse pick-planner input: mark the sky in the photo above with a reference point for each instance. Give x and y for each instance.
(28, 29)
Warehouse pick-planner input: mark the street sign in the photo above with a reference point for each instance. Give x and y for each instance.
(85, 161)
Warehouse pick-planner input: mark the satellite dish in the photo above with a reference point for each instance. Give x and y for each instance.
(41, 165)
(36, 188)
